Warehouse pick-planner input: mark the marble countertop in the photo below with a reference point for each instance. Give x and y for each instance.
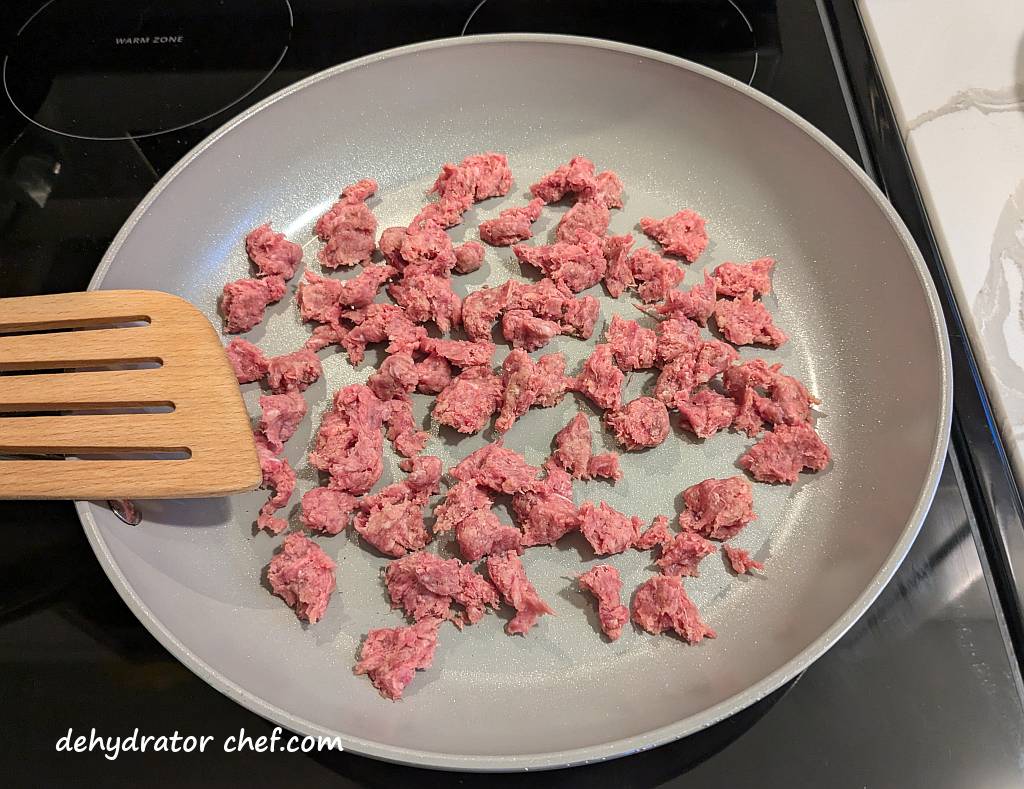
(954, 71)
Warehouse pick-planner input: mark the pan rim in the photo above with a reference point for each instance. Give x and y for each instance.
(613, 748)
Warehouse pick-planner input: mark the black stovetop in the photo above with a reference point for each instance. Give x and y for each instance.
(103, 97)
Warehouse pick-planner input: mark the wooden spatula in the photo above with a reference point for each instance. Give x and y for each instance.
(202, 426)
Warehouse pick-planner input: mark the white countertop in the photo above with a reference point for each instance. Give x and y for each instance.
(954, 71)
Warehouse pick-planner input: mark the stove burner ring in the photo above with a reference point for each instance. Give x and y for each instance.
(96, 70)
(499, 25)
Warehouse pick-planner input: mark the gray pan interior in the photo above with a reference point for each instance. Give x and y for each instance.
(867, 338)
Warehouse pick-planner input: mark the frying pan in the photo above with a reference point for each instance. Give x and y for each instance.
(851, 289)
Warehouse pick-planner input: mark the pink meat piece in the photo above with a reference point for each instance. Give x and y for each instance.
(634, 346)
(655, 275)
(302, 575)
(718, 508)
(324, 335)
(424, 477)
(379, 322)
(424, 585)
(682, 234)
(496, 468)
(744, 321)
(390, 245)
(446, 212)
(327, 511)
(591, 215)
(579, 316)
(576, 178)
(244, 301)
(349, 443)
(349, 228)
(618, 275)
(434, 373)
(705, 412)
(578, 264)
(393, 528)
(604, 583)
(347, 213)
(682, 555)
(643, 422)
(606, 529)
(525, 330)
(661, 604)
(427, 249)
(319, 298)
(697, 303)
(739, 560)
(272, 253)
(478, 177)
(527, 382)
(554, 302)
(362, 289)
(509, 577)
(784, 452)
(391, 656)
(600, 379)
(481, 309)
(469, 257)
(402, 432)
(395, 378)
(280, 417)
(511, 225)
(763, 393)
(547, 512)
(605, 465)
(461, 353)
(279, 476)
(656, 534)
(677, 336)
(481, 534)
(462, 499)
(609, 189)
(735, 279)
(359, 192)
(467, 403)
(573, 447)
(293, 371)
(689, 370)
(428, 297)
(248, 361)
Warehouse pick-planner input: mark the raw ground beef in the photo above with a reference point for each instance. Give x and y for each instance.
(278, 475)
(692, 368)
(547, 512)
(393, 528)
(787, 400)
(784, 452)
(525, 330)
(402, 432)
(545, 300)
(433, 373)
(467, 403)
(293, 371)
(390, 245)
(498, 469)
(590, 215)
(424, 586)
(511, 225)
(655, 275)
(739, 560)
(681, 234)
(426, 296)
(607, 530)
(462, 499)
(272, 253)
(361, 290)
(634, 346)
(618, 275)
(248, 361)
(705, 412)
(327, 511)
(461, 353)
(244, 301)
(396, 377)
(324, 335)
(682, 555)
(609, 189)
(527, 382)
(427, 250)
(657, 534)
(604, 583)
(600, 380)
(605, 465)
(573, 452)
(280, 415)
(481, 533)
(349, 443)
(481, 176)
(391, 656)
(577, 263)
(735, 279)
(469, 257)
(509, 577)
(641, 423)
(349, 229)
(744, 321)
(318, 298)
(661, 604)
(677, 336)
(718, 508)
(302, 575)
(481, 309)
(697, 303)
(577, 178)
(379, 322)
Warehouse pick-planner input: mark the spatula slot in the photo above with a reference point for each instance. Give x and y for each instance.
(73, 324)
(90, 366)
(8, 410)
(17, 454)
